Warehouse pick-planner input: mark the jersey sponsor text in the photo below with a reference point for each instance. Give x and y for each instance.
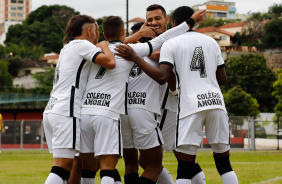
(210, 98)
(137, 98)
(99, 99)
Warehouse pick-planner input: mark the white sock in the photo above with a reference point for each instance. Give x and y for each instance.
(199, 178)
(117, 182)
(87, 181)
(229, 178)
(54, 178)
(165, 177)
(107, 180)
(183, 181)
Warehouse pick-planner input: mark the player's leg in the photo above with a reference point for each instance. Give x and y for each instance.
(189, 137)
(130, 154)
(62, 145)
(199, 176)
(117, 178)
(89, 162)
(76, 170)
(217, 131)
(107, 146)
(167, 126)
(148, 140)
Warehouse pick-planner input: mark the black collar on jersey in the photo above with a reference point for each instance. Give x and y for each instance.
(115, 41)
(190, 30)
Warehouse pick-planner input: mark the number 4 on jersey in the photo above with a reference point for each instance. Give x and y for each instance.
(198, 62)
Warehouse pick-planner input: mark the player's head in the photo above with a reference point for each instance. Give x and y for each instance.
(181, 14)
(156, 16)
(82, 27)
(136, 27)
(114, 28)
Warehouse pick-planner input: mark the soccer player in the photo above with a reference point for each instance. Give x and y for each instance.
(105, 99)
(199, 67)
(61, 116)
(145, 126)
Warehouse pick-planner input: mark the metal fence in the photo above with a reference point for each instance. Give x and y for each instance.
(262, 133)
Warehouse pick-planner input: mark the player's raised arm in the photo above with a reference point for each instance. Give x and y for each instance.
(145, 50)
(105, 59)
(145, 31)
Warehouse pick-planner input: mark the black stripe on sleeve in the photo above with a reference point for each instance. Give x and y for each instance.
(165, 97)
(79, 73)
(166, 63)
(72, 100)
(94, 57)
(151, 48)
(74, 133)
(221, 66)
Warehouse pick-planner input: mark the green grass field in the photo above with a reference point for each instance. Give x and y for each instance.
(251, 167)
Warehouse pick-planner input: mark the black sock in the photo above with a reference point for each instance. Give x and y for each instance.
(223, 164)
(185, 170)
(63, 173)
(109, 173)
(88, 174)
(131, 178)
(143, 180)
(117, 176)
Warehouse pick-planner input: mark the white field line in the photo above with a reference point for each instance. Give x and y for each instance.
(274, 179)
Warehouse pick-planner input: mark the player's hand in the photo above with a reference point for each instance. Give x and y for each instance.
(199, 16)
(126, 52)
(155, 55)
(147, 31)
(102, 44)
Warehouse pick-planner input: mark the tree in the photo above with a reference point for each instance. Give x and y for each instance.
(45, 26)
(253, 32)
(44, 81)
(239, 103)
(101, 30)
(275, 11)
(278, 93)
(273, 36)
(15, 63)
(6, 82)
(210, 21)
(251, 73)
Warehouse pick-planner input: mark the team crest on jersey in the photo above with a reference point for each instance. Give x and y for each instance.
(135, 71)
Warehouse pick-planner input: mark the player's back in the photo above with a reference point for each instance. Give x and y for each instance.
(196, 58)
(107, 88)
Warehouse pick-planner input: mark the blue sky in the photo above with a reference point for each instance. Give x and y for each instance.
(137, 8)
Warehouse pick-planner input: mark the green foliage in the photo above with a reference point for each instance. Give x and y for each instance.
(32, 52)
(275, 11)
(273, 36)
(277, 85)
(251, 73)
(210, 21)
(15, 63)
(6, 82)
(239, 103)
(101, 30)
(259, 16)
(45, 81)
(44, 26)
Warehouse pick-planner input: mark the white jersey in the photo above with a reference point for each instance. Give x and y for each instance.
(195, 58)
(143, 91)
(106, 90)
(167, 100)
(70, 78)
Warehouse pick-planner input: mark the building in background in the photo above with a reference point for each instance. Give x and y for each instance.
(218, 9)
(132, 22)
(12, 12)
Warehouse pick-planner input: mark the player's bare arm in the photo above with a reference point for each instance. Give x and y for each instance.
(221, 75)
(155, 55)
(105, 59)
(199, 16)
(145, 31)
(159, 74)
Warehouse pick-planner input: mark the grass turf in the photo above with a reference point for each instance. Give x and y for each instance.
(251, 167)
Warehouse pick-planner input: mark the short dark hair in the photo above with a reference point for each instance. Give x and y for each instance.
(75, 24)
(136, 27)
(112, 26)
(156, 7)
(182, 13)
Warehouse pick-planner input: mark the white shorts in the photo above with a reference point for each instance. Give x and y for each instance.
(101, 135)
(140, 129)
(168, 128)
(190, 128)
(61, 131)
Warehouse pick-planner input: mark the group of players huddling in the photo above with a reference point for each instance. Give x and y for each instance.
(152, 91)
